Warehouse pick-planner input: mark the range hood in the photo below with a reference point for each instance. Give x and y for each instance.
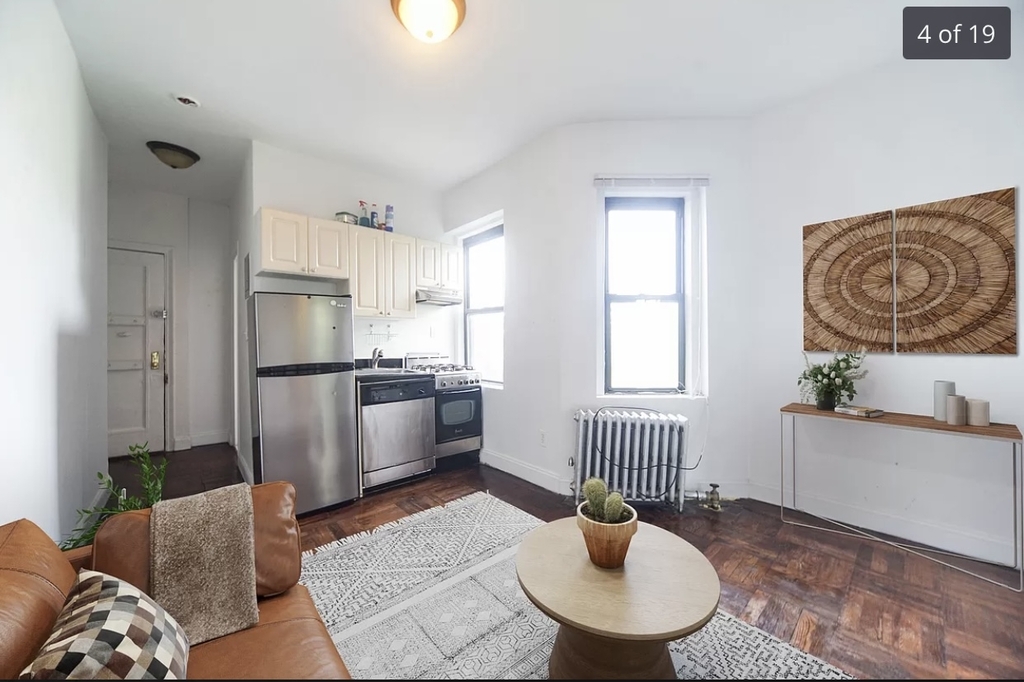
(438, 296)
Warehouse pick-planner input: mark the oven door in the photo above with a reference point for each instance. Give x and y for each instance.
(459, 420)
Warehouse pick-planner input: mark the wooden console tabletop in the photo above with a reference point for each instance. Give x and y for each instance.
(923, 422)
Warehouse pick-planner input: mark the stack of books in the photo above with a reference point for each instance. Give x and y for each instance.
(855, 411)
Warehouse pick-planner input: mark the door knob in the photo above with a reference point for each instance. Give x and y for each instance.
(154, 360)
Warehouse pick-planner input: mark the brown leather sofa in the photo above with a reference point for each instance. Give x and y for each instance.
(289, 641)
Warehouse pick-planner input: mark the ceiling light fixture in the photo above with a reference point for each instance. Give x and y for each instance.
(172, 154)
(430, 20)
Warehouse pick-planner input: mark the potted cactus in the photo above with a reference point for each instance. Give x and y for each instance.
(607, 522)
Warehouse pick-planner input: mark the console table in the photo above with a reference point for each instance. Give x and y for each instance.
(1006, 433)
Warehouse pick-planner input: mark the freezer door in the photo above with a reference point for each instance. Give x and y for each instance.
(308, 437)
(299, 329)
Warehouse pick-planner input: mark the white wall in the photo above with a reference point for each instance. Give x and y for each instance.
(277, 178)
(243, 227)
(53, 177)
(198, 234)
(209, 331)
(905, 134)
(553, 305)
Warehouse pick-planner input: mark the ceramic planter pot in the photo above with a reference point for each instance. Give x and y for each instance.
(607, 543)
(826, 402)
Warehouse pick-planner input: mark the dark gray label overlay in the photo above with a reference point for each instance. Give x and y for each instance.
(956, 32)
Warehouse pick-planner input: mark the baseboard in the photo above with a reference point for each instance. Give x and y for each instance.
(528, 472)
(210, 438)
(963, 541)
(182, 444)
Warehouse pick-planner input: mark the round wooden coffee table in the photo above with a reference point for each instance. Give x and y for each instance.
(616, 624)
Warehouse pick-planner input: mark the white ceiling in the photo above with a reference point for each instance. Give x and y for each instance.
(342, 79)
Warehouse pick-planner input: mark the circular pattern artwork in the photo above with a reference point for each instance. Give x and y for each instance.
(934, 278)
(956, 281)
(848, 284)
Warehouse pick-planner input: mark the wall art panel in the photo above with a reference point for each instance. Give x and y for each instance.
(956, 284)
(848, 284)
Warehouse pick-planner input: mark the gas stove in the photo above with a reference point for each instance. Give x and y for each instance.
(458, 402)
(447, 376)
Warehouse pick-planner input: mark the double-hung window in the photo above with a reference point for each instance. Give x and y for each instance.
(485, 303)
(644, 296)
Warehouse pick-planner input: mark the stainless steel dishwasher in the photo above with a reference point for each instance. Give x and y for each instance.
(396, 427)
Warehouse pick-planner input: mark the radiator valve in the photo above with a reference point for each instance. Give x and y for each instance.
(714, 499)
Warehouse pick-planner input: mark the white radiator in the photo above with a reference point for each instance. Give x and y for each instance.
(639, 454)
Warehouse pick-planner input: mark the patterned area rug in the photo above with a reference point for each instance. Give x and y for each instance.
(435, 595)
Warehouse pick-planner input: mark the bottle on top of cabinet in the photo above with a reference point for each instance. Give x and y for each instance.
(389, 218)
(364, 219)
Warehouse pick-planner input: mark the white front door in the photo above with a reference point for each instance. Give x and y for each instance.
(136, 300)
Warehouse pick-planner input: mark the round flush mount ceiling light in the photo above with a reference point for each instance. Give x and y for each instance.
(173, 155)
(430, 20)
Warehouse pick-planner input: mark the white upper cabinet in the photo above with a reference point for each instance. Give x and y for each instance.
(428, 263)
(328, 249)
(451, 267)
(383, 268)
(283, 241)
(366, 254)
(400, 275)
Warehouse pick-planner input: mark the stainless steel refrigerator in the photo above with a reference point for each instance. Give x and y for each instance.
(302, 381)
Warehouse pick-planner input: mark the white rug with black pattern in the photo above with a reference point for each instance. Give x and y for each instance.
(435, 595)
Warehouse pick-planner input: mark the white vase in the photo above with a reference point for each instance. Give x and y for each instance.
(977, 412)
(942, 389)
(956, 410)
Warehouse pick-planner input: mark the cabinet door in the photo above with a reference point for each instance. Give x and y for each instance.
(283, 239)
(328, 249)
(366, 282)
(451, 267)
(400, 272)
(428, 263)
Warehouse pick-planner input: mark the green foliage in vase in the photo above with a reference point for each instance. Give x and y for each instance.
(833, 378)
(602, 506)
(151, 476)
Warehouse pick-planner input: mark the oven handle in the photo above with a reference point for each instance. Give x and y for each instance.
(443, 392)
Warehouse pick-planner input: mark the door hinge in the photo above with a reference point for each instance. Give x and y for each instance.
(166, 379)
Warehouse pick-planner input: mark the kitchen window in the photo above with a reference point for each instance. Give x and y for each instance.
(485, 303)
(644, 295)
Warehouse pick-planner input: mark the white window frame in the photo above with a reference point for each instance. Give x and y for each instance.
(693, 192)
(491, 232)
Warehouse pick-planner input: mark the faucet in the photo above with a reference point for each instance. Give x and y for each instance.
(375, 357)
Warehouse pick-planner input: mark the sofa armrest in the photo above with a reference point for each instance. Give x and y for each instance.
(79, 557)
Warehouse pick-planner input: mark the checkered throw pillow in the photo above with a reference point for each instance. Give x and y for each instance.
(109, 629)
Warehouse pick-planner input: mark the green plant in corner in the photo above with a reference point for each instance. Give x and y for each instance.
(602, 506)
(151, 476)
(830, 381)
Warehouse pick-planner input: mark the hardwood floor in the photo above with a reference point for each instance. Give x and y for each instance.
(870, 609)
(188, 471)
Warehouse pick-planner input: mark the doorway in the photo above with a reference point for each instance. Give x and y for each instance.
(136, 342)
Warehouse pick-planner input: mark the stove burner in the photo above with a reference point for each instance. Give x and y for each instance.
(441, 369)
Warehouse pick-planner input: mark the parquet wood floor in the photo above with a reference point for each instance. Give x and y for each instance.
(872, 610)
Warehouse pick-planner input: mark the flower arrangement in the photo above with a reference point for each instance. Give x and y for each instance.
(829, 381)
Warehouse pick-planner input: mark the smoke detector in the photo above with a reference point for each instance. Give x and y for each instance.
(187, 101)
